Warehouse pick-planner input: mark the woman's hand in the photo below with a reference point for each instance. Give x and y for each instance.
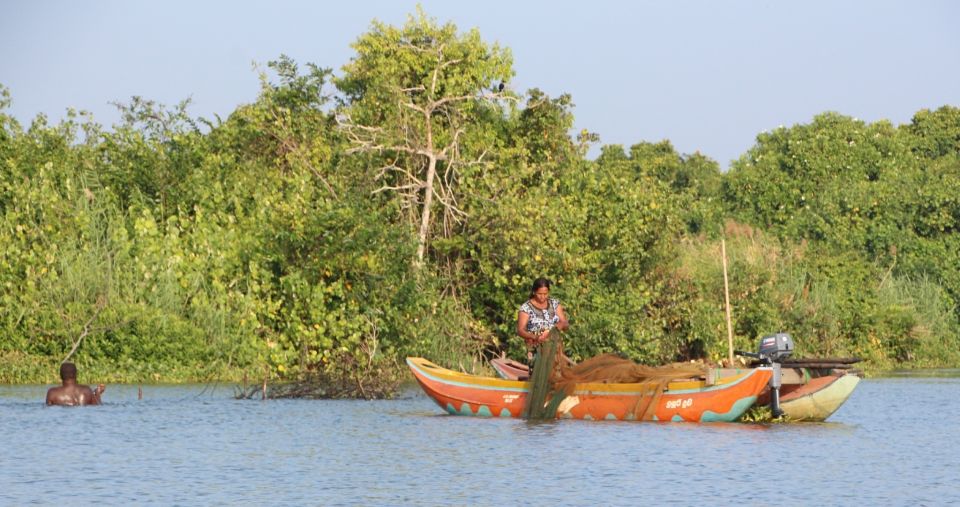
(543, 337)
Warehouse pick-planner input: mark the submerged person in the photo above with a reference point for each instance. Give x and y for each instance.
(538, 315)
(71, 393)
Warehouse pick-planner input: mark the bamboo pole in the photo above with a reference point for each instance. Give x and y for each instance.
(263, 393)
(726, 299)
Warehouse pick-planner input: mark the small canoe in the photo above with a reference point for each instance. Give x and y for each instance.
(726, 399)
(807, 394)
(509, 369)
(814, 398)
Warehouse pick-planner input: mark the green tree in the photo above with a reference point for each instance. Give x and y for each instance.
(936, 133)
(411, 96)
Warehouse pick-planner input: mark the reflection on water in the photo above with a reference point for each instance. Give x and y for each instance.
(894, 442)
(937, 372)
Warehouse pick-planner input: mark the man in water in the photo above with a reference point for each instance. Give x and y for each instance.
(71, 393)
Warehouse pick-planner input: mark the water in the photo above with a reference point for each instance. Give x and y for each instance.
(895, 442)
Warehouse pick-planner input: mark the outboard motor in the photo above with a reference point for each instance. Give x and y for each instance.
(774, 349)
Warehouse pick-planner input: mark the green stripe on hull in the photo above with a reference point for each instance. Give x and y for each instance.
(735, 411)
(467, 409)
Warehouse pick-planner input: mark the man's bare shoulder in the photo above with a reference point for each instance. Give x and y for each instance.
(60, 396)
(71, 396)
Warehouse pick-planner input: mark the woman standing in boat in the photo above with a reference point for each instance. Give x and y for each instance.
(538, 315)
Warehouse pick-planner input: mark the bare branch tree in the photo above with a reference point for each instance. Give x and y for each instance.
(427, 126)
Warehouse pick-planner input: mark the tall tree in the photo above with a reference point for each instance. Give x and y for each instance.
(411, 96)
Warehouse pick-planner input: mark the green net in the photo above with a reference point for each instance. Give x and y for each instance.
(540, 380)
(553, 379)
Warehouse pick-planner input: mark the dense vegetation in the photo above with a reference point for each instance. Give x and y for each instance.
(404, 205)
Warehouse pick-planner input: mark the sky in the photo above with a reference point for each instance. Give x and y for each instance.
(706, 75)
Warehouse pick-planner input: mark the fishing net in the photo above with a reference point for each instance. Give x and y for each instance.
(553, 379)
(541, 384)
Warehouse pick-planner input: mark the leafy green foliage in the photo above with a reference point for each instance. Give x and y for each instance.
(340, 223)
(878, 205)
(411, 95)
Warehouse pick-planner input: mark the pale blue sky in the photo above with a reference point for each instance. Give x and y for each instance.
(707, 75)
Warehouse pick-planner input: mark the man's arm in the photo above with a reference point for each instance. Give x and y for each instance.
(97, 392)
(89, 396)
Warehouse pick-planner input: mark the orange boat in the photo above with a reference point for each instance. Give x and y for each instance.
(725, 399)
(807, 393)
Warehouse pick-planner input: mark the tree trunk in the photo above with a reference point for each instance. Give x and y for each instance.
(425, 213)
(427, 186)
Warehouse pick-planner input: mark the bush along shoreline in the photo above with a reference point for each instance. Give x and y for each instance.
(322, 233)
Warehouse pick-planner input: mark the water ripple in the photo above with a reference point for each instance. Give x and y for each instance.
(892, 443)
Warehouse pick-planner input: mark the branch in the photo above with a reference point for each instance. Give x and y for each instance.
(453, 143)
(383, 170)
(485, 96)
(101, 304)
(450, 62)
(500, 96)
(437, 103)
(344, 122)
(436, 70)
(415, 107)
(295, 149)
(398, 188)
(367, 147)
(448, 200)
(367, 142)
(413, 47)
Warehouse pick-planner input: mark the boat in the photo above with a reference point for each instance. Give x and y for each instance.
(694, 400)
(807, 393)
(813, 393)
(509, 369)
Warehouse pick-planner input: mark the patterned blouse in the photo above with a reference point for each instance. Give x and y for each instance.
(541, 320)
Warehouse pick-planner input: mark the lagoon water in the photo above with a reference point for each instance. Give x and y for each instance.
(895, 442)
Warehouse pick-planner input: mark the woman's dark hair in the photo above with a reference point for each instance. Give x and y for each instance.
(539, 283)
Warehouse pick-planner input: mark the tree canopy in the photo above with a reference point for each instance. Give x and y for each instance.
(403, 205)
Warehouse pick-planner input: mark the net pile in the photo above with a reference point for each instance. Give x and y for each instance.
(553, 379)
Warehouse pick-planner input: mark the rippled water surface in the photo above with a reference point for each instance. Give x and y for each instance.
(895, 442)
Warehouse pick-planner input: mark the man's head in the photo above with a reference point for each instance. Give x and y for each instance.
(68, 371)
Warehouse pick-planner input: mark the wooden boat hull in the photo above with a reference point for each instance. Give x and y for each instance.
(807, 394)
(510, 369)
(691, 401)
(816, 399)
